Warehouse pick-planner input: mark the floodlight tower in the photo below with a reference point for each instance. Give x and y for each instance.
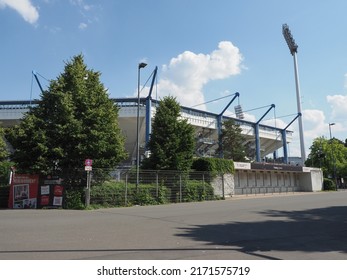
(140, 65)
(293, 47)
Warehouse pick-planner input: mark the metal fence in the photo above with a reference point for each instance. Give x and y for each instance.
(120, 188)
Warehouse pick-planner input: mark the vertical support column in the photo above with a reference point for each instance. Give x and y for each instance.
(148, 119)
(126, 190)
(87, 194)
(219, 127)
(285, 146)
(298, 100)
(257, 142)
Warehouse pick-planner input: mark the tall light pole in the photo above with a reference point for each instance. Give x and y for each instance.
(293, 47)
(141, 65)
(330, 125)
(333, 154)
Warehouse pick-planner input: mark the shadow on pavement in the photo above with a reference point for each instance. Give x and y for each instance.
(316, 230)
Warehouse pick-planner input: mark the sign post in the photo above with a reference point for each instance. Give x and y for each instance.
(88, 167)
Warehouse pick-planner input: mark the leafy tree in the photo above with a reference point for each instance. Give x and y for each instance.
(5, 172)
(172, 142)
(330, 155)
(3, 149)
(74, 120)
(232, 142)
(5, 165)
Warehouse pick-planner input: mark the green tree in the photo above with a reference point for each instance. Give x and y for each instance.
(5, 165)
(330, 155)
(74, 120)
(172, 143)
(232, 142)
(3, 148)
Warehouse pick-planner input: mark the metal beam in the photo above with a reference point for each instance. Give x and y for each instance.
(149, 107)
(256, 132)
(37, 80)
(284, 139)
(220, 123)
(231, 101)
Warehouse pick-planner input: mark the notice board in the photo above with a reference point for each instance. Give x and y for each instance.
(50, 193)
(23, 191)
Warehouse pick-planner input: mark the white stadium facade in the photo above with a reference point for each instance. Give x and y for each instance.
(262, 139)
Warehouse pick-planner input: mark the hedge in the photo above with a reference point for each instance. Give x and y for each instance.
(214, 165)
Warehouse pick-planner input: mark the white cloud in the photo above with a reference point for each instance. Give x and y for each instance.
(338, 104)
(23, 7)
(52, 30)
(249, 117)
(314, 124)
(185, 76)
(81, 4)
(278, 123)
(83, 26)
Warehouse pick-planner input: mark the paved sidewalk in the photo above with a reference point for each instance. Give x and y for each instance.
(293, 226)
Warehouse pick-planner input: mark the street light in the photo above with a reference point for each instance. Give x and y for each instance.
(293, 47)
(330, 125)
(141, 65)
(333, 153)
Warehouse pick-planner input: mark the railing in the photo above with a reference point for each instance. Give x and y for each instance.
(118, 187)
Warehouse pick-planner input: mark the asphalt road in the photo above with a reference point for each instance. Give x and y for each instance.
(291, 227)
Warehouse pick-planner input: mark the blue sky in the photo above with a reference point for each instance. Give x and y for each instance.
(204, 50)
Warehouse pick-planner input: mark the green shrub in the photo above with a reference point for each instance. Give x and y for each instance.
(118, 194)
(143, 197)
(73, 199)
(115, 194)
(329, 185)
(197, 191)
(108, 194)
(163, 195)
(214, 165)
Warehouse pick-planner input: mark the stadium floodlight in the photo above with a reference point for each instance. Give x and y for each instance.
(293, 47)
(141, 65)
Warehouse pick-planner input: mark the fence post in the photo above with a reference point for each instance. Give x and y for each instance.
(157, 183)
(126, 189)
(223, 186)
(180, 187)
(203, 185)
(87, 199)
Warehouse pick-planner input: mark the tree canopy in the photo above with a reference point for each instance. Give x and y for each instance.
(172, 143)
(330, 155)
(3, 150)
(73, 121)
(232, 142)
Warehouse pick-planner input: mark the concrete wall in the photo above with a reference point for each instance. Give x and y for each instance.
(255, 181)
(311, 179)
(224, 185)
(260, 181)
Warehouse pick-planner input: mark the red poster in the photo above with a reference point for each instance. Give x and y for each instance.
(23, 192)
(58, 190)
(44, 200)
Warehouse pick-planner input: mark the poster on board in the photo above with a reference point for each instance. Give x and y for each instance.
(23, 191)
(51, 192)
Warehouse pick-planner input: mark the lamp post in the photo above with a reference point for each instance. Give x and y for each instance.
(293, 47)
(141, 65)
(330, 125)
(333, 153)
